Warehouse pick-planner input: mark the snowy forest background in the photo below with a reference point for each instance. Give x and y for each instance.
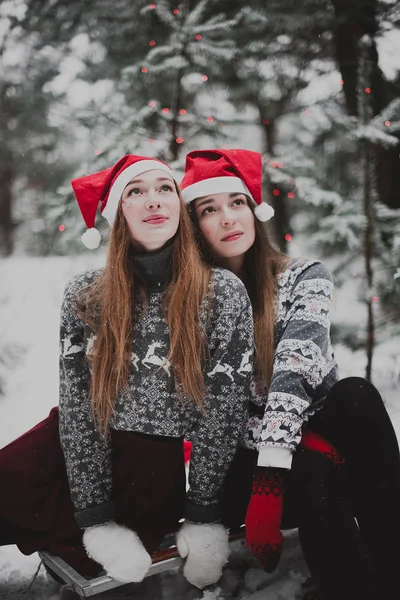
(313, 85)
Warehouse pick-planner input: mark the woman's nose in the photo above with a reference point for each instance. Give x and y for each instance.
(153, 201)
(228, 218)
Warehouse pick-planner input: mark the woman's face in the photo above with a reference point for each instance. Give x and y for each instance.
(151, 207)
(227, 223)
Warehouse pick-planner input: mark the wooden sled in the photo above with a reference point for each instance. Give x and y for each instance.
(76, 586)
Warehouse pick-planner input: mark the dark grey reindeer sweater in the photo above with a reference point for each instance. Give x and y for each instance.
(151, 404)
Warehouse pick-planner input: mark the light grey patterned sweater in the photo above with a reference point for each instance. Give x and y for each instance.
(304, 365)
(151, 404)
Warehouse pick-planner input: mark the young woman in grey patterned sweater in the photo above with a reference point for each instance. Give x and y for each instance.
(153, 346)
(319, 453)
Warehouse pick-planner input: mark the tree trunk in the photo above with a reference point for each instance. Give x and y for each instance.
(6, 224)
(365, 112)
(175, 142)
(368, 211)
(280, 222)
(177, 105)
(355, 18)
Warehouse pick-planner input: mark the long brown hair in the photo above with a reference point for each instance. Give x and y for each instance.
(263, 263)
(107, 307)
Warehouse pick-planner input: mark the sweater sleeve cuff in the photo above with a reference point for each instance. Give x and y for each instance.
(96, 515)
(202, 514)
(269, 456)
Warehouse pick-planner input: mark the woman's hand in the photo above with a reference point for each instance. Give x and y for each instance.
(206, 549)
(264, 515)
(118, 550)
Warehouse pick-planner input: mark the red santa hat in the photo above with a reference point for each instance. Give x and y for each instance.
(216, 171)
(106, 187)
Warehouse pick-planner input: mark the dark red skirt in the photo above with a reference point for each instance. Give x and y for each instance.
(36, 511)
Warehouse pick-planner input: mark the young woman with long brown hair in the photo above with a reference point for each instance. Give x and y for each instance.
(315, 446)
(153, 346)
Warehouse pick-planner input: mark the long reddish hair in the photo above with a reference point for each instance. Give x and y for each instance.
(263, 263)
(107, 306)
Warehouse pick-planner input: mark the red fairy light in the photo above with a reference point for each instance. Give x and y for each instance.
(280, 165)
(198, 37)
(144, 69)
(276, 192)
(165, 110)
(367, 90)
(387, 123)
(176, 11)
(288, 237)
(290, 195)
(151, 140)
(341, 81)
(152, 6)
(204, 77)
(152, 43)
(61, 227)
(210, 119)
(152, 103)
(97, 152)
(374, 298)
(179, 140)
(273, 165)
(266, 121)
(182, 111)
(308, 111)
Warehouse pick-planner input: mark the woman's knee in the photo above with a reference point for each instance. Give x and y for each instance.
(355, 396)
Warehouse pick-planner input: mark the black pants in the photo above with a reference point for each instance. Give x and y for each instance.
(349, 522)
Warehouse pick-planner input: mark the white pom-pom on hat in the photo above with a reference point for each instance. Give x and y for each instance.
(264, 212)
(91, 238)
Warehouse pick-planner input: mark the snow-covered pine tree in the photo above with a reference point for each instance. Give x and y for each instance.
(160, 92)
(339, 208)
(277, 42)
(29, 165)
(152, 84)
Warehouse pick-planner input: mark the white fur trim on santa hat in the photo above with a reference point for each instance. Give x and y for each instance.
(91, 238)
(264, 212)
(114, 196)
(215, 185)
(119, 550)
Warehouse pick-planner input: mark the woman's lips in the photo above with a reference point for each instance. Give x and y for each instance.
(156, 220)
(232, 237)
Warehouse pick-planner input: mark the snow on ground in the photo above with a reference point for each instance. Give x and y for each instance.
(30, 300)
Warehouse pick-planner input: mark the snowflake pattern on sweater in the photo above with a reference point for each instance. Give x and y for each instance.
(304, 365)
(151, 404)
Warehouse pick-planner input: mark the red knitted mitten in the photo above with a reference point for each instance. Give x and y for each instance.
(264, 515)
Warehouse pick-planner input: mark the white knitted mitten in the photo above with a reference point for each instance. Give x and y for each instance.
(206, 549)
(118, 550)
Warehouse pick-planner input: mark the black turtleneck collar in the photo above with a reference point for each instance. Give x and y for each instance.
(155, 267)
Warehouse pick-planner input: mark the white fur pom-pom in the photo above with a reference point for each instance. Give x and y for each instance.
(264, 212)
(91, 238)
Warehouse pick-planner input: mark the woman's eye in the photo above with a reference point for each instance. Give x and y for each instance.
(166, 188)
(133, 192)
(238, 201)
(207, 211)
